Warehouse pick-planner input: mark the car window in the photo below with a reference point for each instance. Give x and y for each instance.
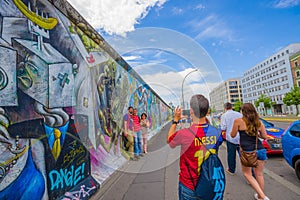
(295, 130)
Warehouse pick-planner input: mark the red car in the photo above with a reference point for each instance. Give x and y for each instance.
(273, 143)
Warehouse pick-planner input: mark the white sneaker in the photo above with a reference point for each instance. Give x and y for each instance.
(256, 197)
(266, 198)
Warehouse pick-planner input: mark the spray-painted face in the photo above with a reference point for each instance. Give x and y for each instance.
(30, 73)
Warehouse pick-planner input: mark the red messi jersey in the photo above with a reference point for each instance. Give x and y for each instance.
(193, 153)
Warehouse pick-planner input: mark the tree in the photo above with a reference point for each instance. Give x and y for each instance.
(266, 100)
(237, 106)
(292, 97)
(213, 109)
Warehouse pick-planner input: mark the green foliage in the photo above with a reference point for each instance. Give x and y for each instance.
(266, 100)
(292, 97)
(212, 110)
(237, 106)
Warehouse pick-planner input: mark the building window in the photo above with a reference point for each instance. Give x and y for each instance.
(296, 63)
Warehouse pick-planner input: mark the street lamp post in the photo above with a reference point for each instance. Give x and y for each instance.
(182, 86)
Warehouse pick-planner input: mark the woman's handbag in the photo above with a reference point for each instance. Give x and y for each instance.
(249, 159)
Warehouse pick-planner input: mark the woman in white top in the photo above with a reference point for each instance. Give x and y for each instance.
(144, 125)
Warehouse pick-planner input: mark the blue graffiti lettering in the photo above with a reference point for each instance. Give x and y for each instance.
(66, 178)
(219, 184)
(218, 174)
(218, 196)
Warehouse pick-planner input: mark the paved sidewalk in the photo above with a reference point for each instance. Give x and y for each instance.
(155, 177)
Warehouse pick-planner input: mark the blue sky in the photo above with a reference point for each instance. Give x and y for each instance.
(236, 33)
(221, 38)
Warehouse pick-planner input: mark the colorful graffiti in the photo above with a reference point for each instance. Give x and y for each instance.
(63, 94)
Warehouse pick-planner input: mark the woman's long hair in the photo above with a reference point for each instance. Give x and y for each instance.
(251, 118)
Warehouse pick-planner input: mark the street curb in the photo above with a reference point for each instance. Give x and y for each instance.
(281, 119)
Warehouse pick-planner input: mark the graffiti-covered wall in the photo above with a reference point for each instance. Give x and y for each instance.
(63, 94)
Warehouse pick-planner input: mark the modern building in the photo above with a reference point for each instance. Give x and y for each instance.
(227, 91)
(272, 77)
(295, 65)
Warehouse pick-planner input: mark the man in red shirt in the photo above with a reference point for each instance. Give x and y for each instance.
(193, 153)
(137, 134)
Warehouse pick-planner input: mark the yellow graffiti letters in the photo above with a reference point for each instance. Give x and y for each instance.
(73, 154)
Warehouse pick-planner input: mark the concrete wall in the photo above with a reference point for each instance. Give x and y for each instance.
(58, 75)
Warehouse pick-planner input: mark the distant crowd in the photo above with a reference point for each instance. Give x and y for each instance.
(201, 173)
(135, 133)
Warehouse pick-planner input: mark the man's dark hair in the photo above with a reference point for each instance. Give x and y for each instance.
(130, 107)
(200, 105)
(228, 106)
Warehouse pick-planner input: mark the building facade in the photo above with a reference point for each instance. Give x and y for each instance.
(272, 77)
(295, 66)
(227, 91)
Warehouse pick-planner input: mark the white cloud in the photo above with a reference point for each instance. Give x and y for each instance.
(214, 31)
(286, 3)
(167, 82)
(200, 7)
(114, 16)
(197, 24)
(211, 27)
(131, 58)
(177, 11)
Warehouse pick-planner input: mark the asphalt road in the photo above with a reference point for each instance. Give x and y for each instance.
(282, 125)
(278, 168)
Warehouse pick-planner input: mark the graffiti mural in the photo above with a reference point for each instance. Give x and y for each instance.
(63, 94)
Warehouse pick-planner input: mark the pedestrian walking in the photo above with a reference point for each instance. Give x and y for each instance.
(145, 126)
(137, 134)
(128, 131)
(232, 144)
(208, 117)
(193, 152)
(249, 128)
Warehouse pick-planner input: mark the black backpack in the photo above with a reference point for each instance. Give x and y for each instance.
(211, 182)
